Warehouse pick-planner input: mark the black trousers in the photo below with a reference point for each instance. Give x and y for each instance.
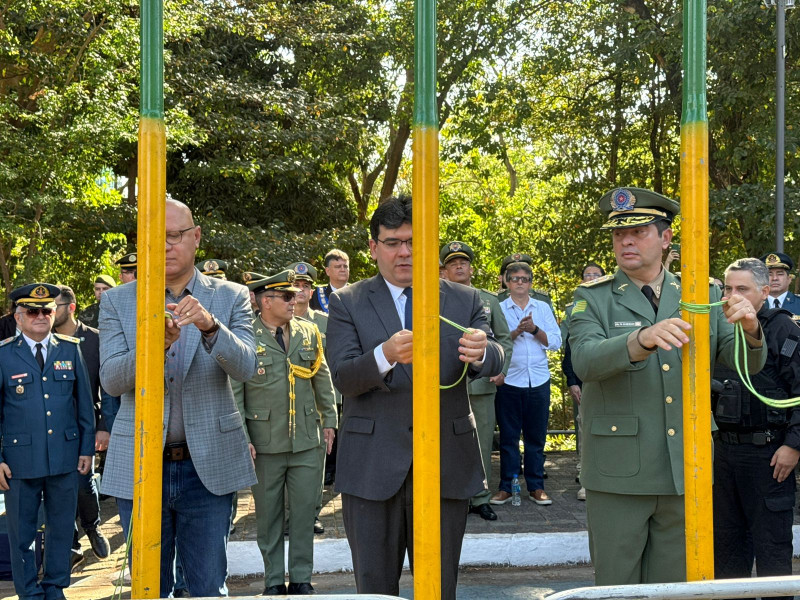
(88, 512)
(380, 533)
(752, 512)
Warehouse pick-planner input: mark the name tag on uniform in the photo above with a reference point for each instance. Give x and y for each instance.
(19, 376)
(627, 323)
(62, 365)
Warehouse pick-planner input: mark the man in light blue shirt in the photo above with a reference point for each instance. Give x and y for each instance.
(522, 403)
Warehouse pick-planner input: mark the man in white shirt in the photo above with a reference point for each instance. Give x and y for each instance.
(522, 403)
(780, 266)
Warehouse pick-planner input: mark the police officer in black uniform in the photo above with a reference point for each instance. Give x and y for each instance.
(757, 447)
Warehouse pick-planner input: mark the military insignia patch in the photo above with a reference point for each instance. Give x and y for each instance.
(487, 310)
(290, 277)
(261, 349)
(622, 287)
(676, 284)
(455, 247)
(580, 306)
(247, 277)
(597, 281)
(62, 365)
(40, 292)
(772, 259)
(622, 200)
(20, 389)
(133, 258)
(211, 265)
(301, 269)
(261, 370)
(19, 376)
(516, 256)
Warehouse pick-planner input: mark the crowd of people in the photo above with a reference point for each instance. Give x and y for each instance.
(284, 385)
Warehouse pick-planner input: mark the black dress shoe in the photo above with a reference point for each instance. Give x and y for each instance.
(318, 528)
(100, 545)
(485, 511)
(181, 593)
(76, 558)
(275, 590)
(301, 589)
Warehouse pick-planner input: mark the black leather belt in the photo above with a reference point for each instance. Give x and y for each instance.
(757, 438)
(178, 451)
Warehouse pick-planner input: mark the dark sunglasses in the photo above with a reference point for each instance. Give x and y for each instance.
(285, 296)
(34, 312)
(520, 279)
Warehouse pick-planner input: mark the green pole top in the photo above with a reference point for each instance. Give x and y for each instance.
(425, 113)
(151, 102)
(695, 109)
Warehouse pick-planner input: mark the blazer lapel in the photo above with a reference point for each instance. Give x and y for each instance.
(631, 297)
(204, 294)
(295, 337)
(24, 352)
(53, 353)
(384, 306)
(669, 303)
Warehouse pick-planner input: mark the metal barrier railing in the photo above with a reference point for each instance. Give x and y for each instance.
(762, 587)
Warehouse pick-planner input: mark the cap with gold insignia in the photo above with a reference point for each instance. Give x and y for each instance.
(778, 260)
(303, 270)
(41, 295)
(635, 207)
(213, 267)
(281, 282)
(455, 249)
(106, 280)
(249, 276)
(127, 262)
(516, 257)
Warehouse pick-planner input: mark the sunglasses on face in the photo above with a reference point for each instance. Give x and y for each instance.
(519, 279)
(34, 312)
(285, 296)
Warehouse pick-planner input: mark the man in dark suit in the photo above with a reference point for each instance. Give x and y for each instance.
(337, 268)
(48, 440)
(370, 352)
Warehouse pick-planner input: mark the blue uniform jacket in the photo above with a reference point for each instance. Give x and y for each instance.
(46, 417)
(790, 303)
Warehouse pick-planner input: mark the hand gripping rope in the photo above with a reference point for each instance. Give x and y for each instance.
(740, 344)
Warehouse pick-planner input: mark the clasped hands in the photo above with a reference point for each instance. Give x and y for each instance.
(671, 332)
(399, 347)
(188, 310)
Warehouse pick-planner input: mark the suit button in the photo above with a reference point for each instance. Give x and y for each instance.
(49, 414)
(44, 378)
(15, 441)
(665, 367)
(255, 416)
(669, 399)
(670, 432)
(46, 396)
(49, 432)
(613, 428)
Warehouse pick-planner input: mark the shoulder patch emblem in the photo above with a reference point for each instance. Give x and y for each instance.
(67, 338)
(580, 306)
(598, 281)
(676, 284)
(7, 341)
(622, 287)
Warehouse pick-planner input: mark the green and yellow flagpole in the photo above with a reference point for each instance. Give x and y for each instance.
(697, 459)
(151, 232)
(425, 195)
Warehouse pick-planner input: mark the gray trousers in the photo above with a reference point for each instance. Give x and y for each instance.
(380, 532)
(483, 409)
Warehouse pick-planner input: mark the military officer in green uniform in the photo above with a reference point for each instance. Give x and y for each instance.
(91, 313)
(536, 294)
(283, 406)
(457, 258)
(305, 275)
(213, 267)
(127, 267)
(626, 336)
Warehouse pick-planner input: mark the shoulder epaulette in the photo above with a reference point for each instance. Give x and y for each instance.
(541, 292)
(711, 281)
(598, 281)
(68, 338)
(568, 306)
(488, 292)
(7, 341)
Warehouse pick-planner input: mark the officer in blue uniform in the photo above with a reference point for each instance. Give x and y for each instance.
(47, 424)
(780, 267)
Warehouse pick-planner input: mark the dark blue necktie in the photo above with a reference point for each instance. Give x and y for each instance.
(409, 315)
(279, 338)
(40, 356)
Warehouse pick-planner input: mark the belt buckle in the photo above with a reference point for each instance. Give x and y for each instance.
(760, 438)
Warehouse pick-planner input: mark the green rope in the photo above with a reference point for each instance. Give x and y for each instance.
(740, 343)
(119, 583)
(466, 365)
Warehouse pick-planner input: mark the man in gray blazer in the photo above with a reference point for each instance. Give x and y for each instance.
(369, 353)
(206, 458)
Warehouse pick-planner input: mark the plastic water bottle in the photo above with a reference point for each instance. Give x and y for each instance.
(515, 499)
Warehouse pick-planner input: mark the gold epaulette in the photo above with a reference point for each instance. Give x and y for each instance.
(599, 280)
(68, 338)
(7, 341)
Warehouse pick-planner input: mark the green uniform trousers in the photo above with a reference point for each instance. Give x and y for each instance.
(483, 409)
(322, 452)
(299, 474)
(636, 539)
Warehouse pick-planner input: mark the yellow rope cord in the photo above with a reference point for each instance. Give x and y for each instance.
(302, 373)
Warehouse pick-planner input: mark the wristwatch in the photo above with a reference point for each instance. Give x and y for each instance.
(213, 329)
(535, 331)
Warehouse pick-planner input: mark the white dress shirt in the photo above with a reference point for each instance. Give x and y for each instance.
(529, 366)
(384, 366)
(32, 344)
(781, 299)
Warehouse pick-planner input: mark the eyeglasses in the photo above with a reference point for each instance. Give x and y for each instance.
(63, 303)
(394, 243)
(519, 279)
(34, 312)
(175, 237)
(285, 296)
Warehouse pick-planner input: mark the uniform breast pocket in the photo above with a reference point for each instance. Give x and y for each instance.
(308, 356)
(19, 387)
(616, 445)
(65, 381)
(264, 369)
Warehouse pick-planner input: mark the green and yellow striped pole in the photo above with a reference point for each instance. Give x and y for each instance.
(150, 308)
(697, 459)
(425, 195)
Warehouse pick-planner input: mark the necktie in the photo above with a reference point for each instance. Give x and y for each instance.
(408, 315)
(651, 297)
(40, 356)
(279, 338)
(776, 303)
